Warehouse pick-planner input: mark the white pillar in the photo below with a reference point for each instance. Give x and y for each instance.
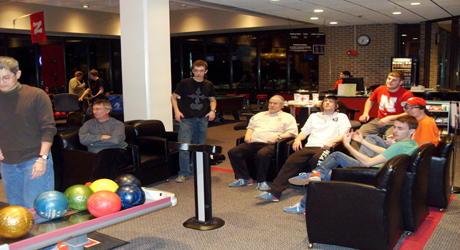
(146, 60)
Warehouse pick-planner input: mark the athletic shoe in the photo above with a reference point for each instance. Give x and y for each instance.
(266, 196)
(301, 179)
(296, 209)
(241, 182)
(263, 186)
(181, 178)
(315, 177)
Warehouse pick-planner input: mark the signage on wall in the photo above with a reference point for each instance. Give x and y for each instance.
(37, 27)
(308, 43)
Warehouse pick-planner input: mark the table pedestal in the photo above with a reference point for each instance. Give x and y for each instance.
(203, 202)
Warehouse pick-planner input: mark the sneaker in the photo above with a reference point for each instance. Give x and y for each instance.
(241, 182)
(266, 196)
(263, 186)
(300, 180)
(181, 178)
(296, 209)
(315, 177)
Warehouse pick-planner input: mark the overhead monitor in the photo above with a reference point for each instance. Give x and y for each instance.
(359, 81)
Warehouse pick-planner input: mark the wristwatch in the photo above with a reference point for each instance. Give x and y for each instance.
(214, 111)
(44, 157)
(279, 137)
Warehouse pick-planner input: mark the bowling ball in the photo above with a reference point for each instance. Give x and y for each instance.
(103, 203)
(51, 204)
(63, 114)
(15, 221)
(57, 114)
(130, 195)
(78, 195)
(104, 184)
(127, 179)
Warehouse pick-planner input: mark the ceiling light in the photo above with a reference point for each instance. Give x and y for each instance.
(318, 10)
(415, 38)
(85, 6)
(397, 13)
(333, 23)
(183, 5)
(414, 3)
(314, 18)
(403, 34)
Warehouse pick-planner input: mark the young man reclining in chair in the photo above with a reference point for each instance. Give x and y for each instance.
(404, 128)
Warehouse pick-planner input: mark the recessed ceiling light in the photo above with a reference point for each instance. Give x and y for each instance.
(414, 3)
(318, 10)
(333, 23)
(403, 34)
(397, 13)
(314, 18)
(415, 38)
(85, 6)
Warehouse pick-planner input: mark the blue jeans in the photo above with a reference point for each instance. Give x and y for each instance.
(375, 140)
(334, 160)
(192, 130)
(20, 189)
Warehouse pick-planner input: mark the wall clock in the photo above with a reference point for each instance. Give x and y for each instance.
(363, 40)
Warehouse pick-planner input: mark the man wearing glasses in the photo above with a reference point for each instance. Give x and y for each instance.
(264, 129)
(197, 107)
(27, 128)
(105, 136)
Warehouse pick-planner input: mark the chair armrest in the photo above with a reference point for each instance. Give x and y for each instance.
(171, 135)
(282, 149)
(152, 145)
(239, 140)
(133, 151)
(355, 174)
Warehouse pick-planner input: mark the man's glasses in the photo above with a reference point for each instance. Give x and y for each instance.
(274, 103)
(7, 78)
(410, 107)
(97, 109)
(199, 71)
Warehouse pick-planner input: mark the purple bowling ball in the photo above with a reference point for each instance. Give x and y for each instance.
(130, 195)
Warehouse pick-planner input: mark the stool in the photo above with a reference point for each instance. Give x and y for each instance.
(261, 98)
(246, 101)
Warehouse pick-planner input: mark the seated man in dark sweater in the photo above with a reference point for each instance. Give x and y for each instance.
(105, 136)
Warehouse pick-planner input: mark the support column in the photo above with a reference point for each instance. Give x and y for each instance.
(146, 60)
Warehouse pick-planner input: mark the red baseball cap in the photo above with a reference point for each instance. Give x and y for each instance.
(414, 101)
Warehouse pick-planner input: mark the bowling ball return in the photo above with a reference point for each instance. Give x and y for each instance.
(73, 228)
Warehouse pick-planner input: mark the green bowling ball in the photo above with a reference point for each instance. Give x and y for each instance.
(78, 197)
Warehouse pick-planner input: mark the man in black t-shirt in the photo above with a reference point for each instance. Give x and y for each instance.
(197, 107)
(95, 89)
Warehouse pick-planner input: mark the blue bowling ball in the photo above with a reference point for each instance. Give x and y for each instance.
(130, 195)
(127, 179)
(51, 204)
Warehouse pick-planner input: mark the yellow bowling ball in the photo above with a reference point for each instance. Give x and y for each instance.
(15, 221)
(104, 184)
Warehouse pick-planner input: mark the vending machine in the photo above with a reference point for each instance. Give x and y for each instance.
(409, 66)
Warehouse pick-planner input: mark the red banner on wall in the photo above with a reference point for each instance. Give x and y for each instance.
(37, 27)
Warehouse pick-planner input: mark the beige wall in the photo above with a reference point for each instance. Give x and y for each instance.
(68, 20)
(372, 62)
(60, 20)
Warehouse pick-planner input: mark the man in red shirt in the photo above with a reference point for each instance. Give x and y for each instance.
(389, 99)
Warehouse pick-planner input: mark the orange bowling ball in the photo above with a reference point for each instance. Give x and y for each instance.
(15, 221)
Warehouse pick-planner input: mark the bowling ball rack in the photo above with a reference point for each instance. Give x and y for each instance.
(74, 227)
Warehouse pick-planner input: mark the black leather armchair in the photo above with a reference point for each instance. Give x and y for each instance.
(157, 161)
(358, 215)
(73, 163)
(414, 191)
(281, 154)
(439, 176)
